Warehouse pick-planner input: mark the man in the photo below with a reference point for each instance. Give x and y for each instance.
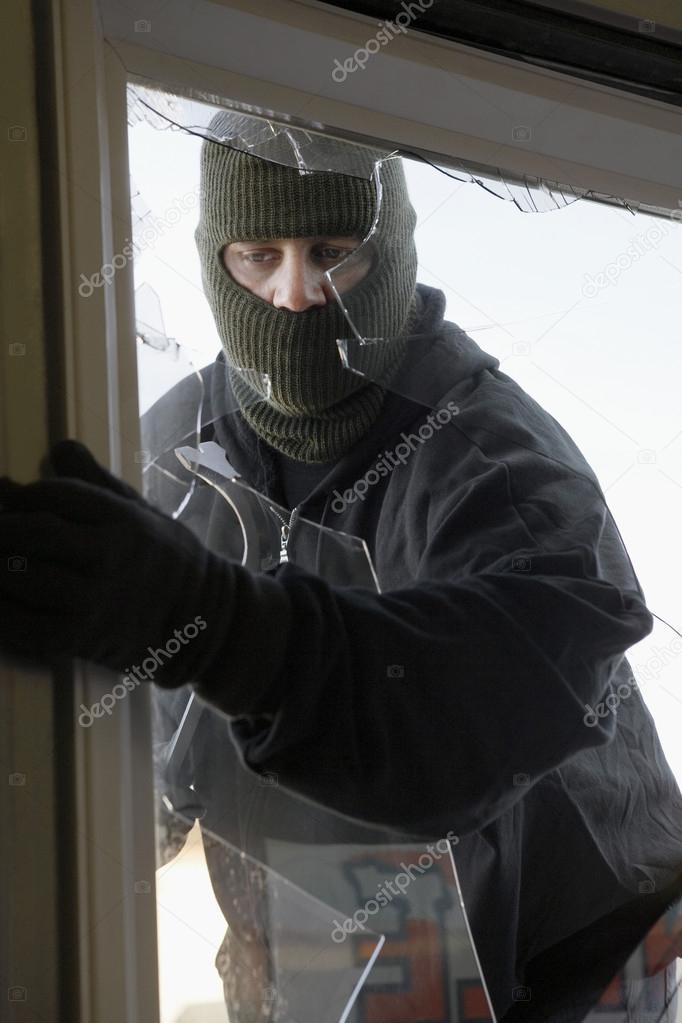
(454, 699)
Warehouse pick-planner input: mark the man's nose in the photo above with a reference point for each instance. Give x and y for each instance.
(298, 286)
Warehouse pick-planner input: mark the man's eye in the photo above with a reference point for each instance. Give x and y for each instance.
(334, 255)
(256, 257)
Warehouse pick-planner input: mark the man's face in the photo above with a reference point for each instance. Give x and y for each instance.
(289, 272)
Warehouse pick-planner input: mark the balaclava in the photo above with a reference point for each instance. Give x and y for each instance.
(317, 410)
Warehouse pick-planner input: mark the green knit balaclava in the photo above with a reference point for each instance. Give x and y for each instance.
(316, 410)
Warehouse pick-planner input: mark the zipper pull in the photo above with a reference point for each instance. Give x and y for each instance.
(283, 541)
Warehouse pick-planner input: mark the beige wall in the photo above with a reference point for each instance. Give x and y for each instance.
(28, 842)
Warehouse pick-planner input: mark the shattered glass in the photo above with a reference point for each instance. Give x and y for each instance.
(292, 873)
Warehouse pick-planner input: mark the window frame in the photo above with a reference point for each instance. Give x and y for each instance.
(596, 43)
(112, 831)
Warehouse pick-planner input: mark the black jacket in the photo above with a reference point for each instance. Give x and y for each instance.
(508, 602)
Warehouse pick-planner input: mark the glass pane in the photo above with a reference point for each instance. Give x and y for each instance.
(441, 834)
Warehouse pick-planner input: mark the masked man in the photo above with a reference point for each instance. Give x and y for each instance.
(451, 699)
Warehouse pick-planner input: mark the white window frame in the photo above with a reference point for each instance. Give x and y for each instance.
(581, 135)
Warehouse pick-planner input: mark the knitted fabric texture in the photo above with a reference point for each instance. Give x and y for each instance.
(316, 410)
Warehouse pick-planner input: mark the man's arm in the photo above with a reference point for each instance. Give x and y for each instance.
(495, 664)
(418, 708)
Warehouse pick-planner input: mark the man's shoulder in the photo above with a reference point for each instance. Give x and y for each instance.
(174, 415)
(485, 415)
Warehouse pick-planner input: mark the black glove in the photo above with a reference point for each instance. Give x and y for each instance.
(89, 569)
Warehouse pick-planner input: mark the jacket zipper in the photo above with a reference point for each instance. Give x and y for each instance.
(285, 530)
(283, 541)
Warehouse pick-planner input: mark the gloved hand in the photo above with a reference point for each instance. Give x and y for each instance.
(89, 569)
